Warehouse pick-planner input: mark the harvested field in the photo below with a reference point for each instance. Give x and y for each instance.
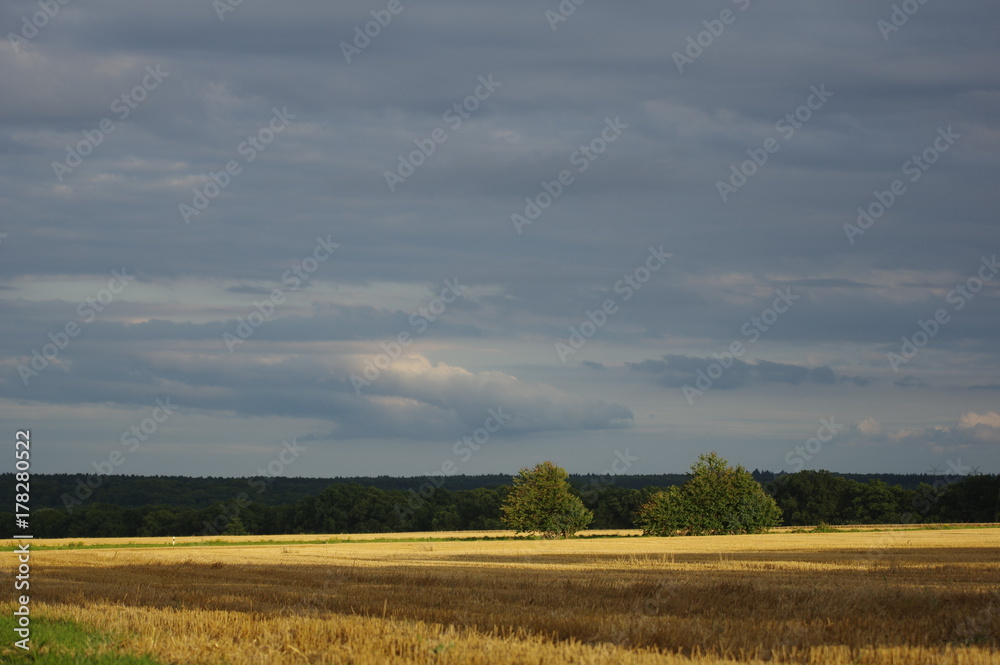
(832, 598)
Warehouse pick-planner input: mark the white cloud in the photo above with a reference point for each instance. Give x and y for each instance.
(462, 397)
(972, 420)
(971, 430)
(870, 427)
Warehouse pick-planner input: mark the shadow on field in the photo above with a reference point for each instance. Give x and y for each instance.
(759, 602)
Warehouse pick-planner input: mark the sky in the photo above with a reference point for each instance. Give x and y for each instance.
(435, 237)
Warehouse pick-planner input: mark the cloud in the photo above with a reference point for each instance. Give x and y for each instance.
(971, 420)
(413, 399)
(324, 176)
(675, 371)
(869, 427)
(462, 397)
(249, 290)
(830, 283)
(910, 381)
(971, 432)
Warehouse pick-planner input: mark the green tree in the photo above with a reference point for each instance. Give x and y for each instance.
(715, 499)
(159, 522)
(49, 523)
(235, 528)
(613, 507)
(665, 514)
(810, 497)
(480, 508)
(877, 502)
(972, 499)
(542, 502)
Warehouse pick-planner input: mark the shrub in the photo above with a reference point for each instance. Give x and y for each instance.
(716, 499)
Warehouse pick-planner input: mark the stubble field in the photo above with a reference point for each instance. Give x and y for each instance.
(831, 598)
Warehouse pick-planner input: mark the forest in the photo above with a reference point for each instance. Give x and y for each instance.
(68, 506)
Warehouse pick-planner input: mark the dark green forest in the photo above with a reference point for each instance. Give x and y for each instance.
(71, 506)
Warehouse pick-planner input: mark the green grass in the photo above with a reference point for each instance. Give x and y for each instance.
(65, 643)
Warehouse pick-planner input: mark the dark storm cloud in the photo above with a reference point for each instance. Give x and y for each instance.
(228, 76)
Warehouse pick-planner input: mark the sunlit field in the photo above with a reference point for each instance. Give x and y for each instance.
(831, 598)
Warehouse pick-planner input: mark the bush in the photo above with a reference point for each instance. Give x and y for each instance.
(716, 499)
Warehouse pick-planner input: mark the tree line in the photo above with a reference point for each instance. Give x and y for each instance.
(60, 490)
(805, 498)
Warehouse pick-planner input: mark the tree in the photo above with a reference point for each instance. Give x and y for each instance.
(235, 528)
(716, 499)
(613, 507)
(665, 514)
(877, 502)
(49, 523)
(810, 497)
(159, 522)
(972, 499)
(542, 501)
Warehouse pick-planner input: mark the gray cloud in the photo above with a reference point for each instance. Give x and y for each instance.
(910, 381)
(324, 176)
(675, 371)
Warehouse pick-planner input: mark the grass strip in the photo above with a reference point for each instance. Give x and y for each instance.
(60, 642)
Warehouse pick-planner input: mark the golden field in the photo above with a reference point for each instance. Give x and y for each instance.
(825, 598)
